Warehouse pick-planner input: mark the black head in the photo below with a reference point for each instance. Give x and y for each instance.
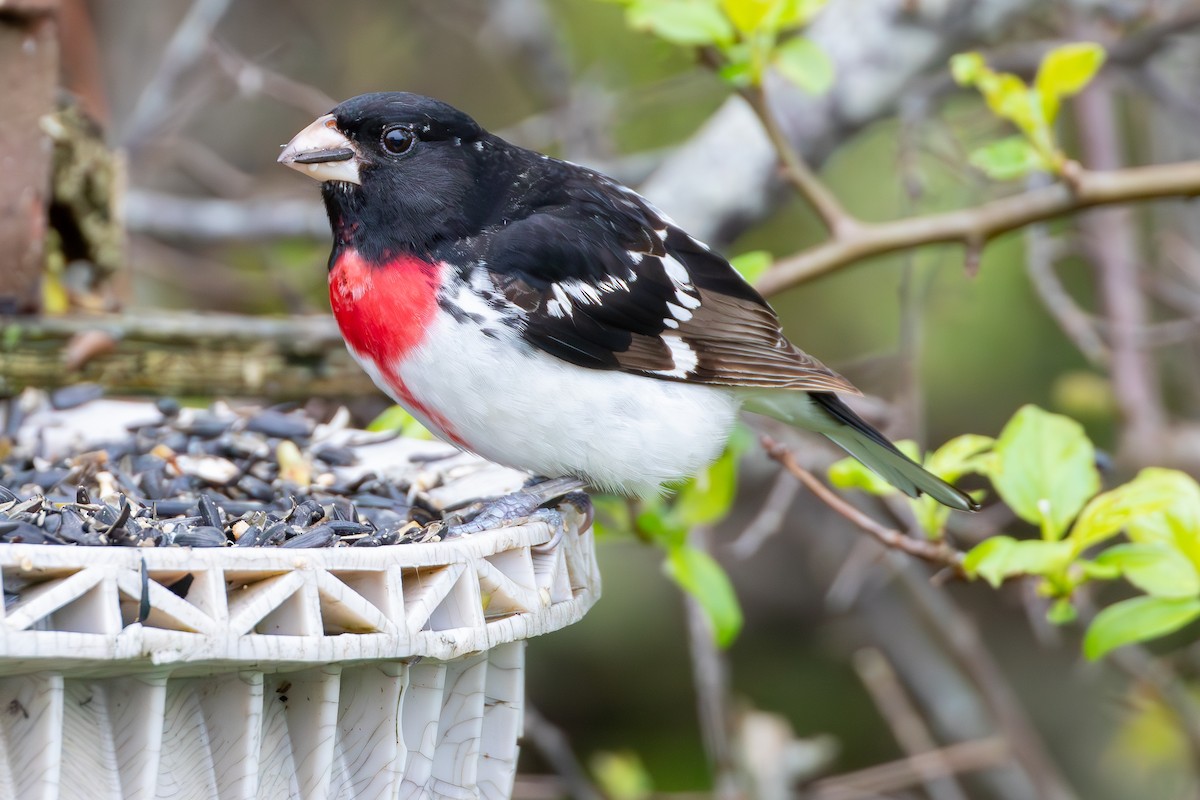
(400, 172)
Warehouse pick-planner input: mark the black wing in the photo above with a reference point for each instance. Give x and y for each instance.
(605, 281)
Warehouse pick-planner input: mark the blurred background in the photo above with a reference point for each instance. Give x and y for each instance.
(179, 109)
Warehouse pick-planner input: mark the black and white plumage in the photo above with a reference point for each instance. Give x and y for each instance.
(562, 323)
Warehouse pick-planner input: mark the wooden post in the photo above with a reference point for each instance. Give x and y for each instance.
(28, 80)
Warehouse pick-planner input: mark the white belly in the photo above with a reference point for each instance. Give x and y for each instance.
(525, 409)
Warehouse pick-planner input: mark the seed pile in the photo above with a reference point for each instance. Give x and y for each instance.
(216, 478)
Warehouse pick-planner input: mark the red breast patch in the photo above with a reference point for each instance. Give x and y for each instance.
(385, 311)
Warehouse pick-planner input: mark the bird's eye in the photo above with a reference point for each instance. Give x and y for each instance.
(398, 141)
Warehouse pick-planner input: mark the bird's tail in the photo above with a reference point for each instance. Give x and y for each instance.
(825, 413)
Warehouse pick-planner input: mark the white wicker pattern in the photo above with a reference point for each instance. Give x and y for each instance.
(282, 674)
(355, 673)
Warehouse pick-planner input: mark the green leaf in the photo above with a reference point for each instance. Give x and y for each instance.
(1176, 524)
(1061, 612)
(698, 574)
(1001, 557)
(683, 22)
(1064, 71)
(1008, 97)
(805, 64)
(1094, 571)
(621, 775)
(661, 524)
(788, 14)
(1137, 620)
(748, 15)
(771, 16)
(931, 515)
(967, 68)
(960, 456)
(849, 473)
(737, 73)
(1008, 159)
(707, 497)
(752, 264)
(396, 418)
(1157, 570)
(1140, 505)
(1045, 469)
(989, 558)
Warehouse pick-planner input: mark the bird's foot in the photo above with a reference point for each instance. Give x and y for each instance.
(582, 503)
(520, 506)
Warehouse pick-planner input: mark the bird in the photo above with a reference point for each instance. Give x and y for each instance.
(547, 317)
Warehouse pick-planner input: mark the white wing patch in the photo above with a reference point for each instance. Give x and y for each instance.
(569, 293)
(683, 357)
(679, 313)
(685, 293)
(582, 292)
(613, 284)
(559, 305)
(675, 271)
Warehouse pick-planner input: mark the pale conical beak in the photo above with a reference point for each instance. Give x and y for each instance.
(322, 152)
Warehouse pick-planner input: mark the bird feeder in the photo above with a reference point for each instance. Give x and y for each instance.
(268, 672)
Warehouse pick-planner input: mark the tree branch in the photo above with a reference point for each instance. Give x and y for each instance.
(910, 730)
(974, 227)
(1076, 323)
(769, 519)
(183, 51)
(720, 181)
(895, 775)
(963, 640)
(839, 222)
(710, 675)
(1111, 242)
(554, 746)
(938, 553)
(254, 79)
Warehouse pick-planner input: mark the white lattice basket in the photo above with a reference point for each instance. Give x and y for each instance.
(387, 672)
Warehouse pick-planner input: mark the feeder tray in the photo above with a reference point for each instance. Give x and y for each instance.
(262, 672)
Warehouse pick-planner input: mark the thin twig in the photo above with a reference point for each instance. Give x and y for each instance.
(975, 227)
(710, 673)
(855, 574)
(1074, 321)
(895, 775)
(554, 746)
(182, 52)
(907, 726)
(1173, 102)
(939, 553)
(838, 221)
(255, 79)
(962, 639)
(770, 517)
(202, 164)
(1110, 239)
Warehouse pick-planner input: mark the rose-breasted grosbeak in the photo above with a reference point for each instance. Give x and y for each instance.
(546, 317)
